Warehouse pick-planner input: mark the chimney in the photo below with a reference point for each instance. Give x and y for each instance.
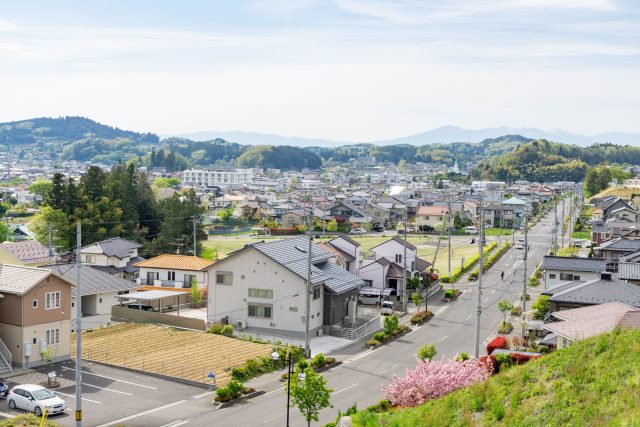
(605, 276)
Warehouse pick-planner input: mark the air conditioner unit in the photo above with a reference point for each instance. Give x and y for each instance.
(242, 325)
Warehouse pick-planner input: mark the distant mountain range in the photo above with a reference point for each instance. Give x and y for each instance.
(444, 134)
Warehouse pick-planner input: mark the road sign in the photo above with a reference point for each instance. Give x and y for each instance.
(212, 375)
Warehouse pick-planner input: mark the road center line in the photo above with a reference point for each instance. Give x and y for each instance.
(443, 338)
(344, 389)
(111, 378)
(141, 414)
(73, 395)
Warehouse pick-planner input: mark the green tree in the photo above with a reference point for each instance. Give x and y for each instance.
(41, 187)
(55, 197)
(166, 182)
(195, 293)
(332, 226)
(391, 324)
(505, 306)
(417, 300)
(93, 183)
(427, 352)
(227, 213)
(541, 307)
(310, 394)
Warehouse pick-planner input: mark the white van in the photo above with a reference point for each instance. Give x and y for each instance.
(471, 230)
(387, 308)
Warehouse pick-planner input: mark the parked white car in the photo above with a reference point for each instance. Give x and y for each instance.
(358, 231)
(471, 230)
(35, 398)
(387, 308)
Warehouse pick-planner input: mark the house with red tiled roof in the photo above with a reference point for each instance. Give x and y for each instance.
(174, 271)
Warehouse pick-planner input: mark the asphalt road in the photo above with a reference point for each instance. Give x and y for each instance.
(363, 374)
(119, 398)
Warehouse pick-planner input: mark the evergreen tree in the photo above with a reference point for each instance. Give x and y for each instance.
(55, 198)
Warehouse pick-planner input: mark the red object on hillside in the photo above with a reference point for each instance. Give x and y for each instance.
(519, 358)
(497, 342)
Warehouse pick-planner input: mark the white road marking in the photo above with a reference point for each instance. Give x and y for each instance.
(442, 339)
(141, 414)
(111, 378)
(344, 389)
(468, 317)
(176, 423)
(200, 396)
(74, 396)
(276, 417)
(492, 292)
(108, 389)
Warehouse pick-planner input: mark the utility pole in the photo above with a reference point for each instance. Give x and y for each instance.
(480, 262)
(562, 229)
(78, 303)
(195, 241)
(50, 244)
(404, 261)
(555, 227)
(449, 230)
(524, 279)
(307, 347)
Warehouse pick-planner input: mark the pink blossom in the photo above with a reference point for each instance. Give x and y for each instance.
(431, 380)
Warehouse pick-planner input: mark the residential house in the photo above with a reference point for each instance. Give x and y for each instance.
(98, 291)
(559, 269)
(347, 252)
(347, 212)
(432, 216)
(35, 315)
(174, 271)
(378, 214)
(28, 252)
(19, 232)
(248, 210)
(385, 270)
(581, 323)
(261, 288)
(293, 219)
(597, 291)
(114, 256)
(612, 250)
(612, 228)
(499, 215)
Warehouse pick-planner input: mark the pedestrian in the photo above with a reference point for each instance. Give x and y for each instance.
(502, 275)
(473, 241)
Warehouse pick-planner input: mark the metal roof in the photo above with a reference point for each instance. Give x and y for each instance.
(550, 262)
(339, 281)
(600, 291)
(620, 244)
(116, 246)
(628, 271)
(93, 281)
(16, 279)
(151, 295)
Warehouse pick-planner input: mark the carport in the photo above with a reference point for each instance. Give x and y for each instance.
(149, 297)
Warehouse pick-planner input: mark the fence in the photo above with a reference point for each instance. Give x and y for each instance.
(371, 326)
(124, 313)
(6, 355)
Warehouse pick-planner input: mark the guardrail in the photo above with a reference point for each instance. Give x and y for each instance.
(372, 325)
(6, 355)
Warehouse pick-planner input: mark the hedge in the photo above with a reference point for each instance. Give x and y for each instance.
(497, 342)
(491, 260)
(471, 262)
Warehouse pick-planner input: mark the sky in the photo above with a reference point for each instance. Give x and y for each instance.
(348, 70)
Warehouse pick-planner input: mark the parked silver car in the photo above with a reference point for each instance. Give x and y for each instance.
(35, 398)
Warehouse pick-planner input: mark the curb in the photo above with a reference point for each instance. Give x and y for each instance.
(239, 399)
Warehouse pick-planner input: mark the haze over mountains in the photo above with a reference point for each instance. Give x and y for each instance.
(444, 134)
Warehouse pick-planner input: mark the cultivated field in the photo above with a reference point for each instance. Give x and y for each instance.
(163, 350)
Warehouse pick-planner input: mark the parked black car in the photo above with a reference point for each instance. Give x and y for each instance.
(4, 390)
(377, 227)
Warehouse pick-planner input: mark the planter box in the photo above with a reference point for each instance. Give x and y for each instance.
(239, 399)
(456, 294)
(404, 331)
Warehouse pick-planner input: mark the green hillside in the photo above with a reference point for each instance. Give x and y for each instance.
(592, 383)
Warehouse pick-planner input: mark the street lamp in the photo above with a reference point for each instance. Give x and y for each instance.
(286, 361)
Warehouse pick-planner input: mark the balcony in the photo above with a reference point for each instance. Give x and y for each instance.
(163, 283)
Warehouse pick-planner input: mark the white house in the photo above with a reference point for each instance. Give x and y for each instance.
(559, 269)
(346, 251)
(114, 256)
(385, 269)
(174, 271)
(261, 288)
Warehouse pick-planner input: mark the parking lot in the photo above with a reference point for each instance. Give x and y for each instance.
(111, 396)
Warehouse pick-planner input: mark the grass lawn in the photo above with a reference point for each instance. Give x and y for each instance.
(581, 235)
(497, 231)
(590, 383)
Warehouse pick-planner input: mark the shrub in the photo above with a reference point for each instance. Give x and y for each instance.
(541, 307)
(427, 351)
(497, 342)
(231, 391)
(462, 357)
(431, 380)
(516, 311)
(534, 281)
(449, 293)
(420, 317)
(379, 336)
(318, 361)
(391, 324)
(372, 343)
(227, 330)
(505, 328)
(216, 328)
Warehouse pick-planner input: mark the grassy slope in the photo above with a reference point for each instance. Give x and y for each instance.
(592, 383)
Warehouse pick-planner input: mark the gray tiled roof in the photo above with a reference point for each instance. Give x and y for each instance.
(347, 239)
(626, 245)
(600, 291)
(551, 262)
(340, 281)
(92, 281)
(117, 247)
(15, 279)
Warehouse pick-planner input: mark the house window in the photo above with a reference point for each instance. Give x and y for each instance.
(261, 293)
(398, 258)
(34, 304)
(224, 278)
(260, 311)
(52, 336)
(52, 300)
(552, 276)
(90, 259)
(316, 292)
(189, 280)
(171, 275)
(293, 309)
(576, 277)
(566, 276)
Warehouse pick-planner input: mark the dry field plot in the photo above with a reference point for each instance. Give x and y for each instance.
(163, 350)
